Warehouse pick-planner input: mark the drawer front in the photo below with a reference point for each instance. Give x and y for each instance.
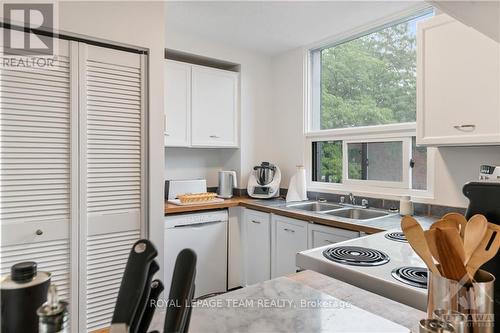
(320, 235)
(323, 238)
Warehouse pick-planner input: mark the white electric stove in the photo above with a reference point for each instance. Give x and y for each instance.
(383, 263)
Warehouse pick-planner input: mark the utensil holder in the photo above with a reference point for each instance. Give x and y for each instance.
(475, 300)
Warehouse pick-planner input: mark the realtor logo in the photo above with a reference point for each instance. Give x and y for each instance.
(30, 17)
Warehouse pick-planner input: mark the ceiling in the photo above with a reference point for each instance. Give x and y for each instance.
(274, 27)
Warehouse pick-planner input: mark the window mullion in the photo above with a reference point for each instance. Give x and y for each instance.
(406, 162)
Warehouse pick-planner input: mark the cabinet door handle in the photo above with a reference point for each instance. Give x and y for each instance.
(289, 230)
(166, 134)
(214, 137)
(466, 127)
(258, 222)
(39, 232)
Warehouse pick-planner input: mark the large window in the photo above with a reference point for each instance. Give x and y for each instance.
(369, 80)
(361, 124)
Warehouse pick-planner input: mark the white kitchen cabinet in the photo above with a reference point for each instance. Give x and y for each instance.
(320, 235)
(289, 237)
(257, 246)
(458, 84)
(214, 119)
(177, 104)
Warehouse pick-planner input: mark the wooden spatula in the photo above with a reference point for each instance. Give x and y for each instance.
(486, 250)
(443, 223)
(451, 252)
(415, 236)
(458, 219)
(474, 233)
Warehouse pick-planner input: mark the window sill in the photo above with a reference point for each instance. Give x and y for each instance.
(402, 129)
(379, 192)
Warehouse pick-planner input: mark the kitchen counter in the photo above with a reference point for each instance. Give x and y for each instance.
(278, 206)
(282, 308)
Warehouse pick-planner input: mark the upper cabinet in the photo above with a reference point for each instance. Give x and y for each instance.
(214, 106)
(201, 106)
(177, 104)
(458, 85)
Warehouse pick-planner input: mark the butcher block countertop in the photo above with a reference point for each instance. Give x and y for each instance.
(233, 202)
(278, 206)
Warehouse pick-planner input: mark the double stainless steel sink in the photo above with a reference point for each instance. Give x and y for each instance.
(352, 213)
(315, 206)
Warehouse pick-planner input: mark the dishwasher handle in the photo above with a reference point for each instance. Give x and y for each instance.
(198, 225)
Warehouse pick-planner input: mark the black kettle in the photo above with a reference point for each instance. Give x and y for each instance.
(23, 291)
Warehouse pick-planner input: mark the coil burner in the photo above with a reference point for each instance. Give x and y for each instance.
(356, 256)
(413, 276)
(397, 236)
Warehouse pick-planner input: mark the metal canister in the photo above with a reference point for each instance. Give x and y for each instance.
(456, 319)
(53, 316)
(22, 292)
(435, 326)
(474, 300)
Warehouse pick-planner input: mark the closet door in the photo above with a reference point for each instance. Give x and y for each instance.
(113, 181)
(38, 116)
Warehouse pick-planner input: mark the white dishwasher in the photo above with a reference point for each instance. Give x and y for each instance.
(206, 234)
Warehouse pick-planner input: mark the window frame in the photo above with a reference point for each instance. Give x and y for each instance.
(405, 164)
(374, 133)
(312, 68)
(385, 189)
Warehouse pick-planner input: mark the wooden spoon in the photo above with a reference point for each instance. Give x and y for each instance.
(451, 251)
(474, 233)
(430, 237)
(486, 250)
(415, 236)
(459, 219)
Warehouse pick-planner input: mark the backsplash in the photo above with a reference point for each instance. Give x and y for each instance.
(419, 208)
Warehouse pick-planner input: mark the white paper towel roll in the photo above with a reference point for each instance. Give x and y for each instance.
(297, 189)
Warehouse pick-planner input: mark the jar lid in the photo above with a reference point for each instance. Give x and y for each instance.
(23, 275)
(23, 271)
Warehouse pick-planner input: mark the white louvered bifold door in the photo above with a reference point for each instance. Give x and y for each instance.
(112, 106)
(37, 115)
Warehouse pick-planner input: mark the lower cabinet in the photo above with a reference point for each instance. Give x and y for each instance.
(257, 246)
(289, 237)
(269, 244)
(320, 235)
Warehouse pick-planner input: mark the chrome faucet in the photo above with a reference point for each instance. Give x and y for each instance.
(364, 203)
(352, 199)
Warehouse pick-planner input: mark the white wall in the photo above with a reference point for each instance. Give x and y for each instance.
(454, 165)
(457, 165)
(193, 163)
(257, 128)
(142, 24)
(288, 97)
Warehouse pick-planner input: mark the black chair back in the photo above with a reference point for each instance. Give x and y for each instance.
(134, 288)
(181, 293)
